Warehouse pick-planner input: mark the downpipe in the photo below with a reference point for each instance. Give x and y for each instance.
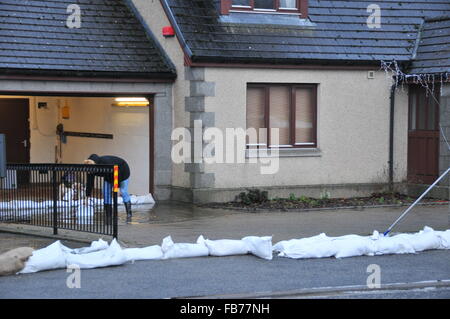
(391, 138)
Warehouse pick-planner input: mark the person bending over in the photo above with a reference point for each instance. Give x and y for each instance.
(124, 177)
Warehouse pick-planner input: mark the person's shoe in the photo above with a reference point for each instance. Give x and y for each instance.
(129, 213)
(108, 214)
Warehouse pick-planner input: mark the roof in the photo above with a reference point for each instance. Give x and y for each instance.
(433, 51)
(336, 32)
(111, 42)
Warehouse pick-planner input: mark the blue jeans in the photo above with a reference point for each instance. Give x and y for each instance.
(107, 192)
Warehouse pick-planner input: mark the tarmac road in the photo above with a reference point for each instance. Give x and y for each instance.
(245, 277)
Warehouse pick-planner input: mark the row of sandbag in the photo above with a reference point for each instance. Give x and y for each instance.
(322, 246)
(102, 254)
(68, 202)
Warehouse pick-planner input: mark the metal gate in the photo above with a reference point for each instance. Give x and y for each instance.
(61, 196)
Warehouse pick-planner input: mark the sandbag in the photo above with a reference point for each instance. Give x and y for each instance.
(14, 260)
(398, 244)
(138, 200)
(227, 247)
(95, 246)
(353, 245)
(50, 257)
(293, 243)
(85, 214)
(147, 253)
(260, 246)
(445, 239)
(145, 199)
(426, 239)
(112, 256)
(182, 250)
(319, 246)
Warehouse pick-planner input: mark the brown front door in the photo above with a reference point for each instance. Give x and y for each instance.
(423, 135)
(14, 117)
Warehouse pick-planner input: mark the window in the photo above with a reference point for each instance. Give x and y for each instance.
(265, 4)
(291, 109)
(423, 109)
(268, 6)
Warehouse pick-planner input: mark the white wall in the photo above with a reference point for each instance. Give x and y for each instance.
(130, 127)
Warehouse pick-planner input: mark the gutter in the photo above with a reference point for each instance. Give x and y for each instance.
(150, 35)
(417, 42)
(178, 32)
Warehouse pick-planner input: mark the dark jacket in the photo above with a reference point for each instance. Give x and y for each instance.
(124, 170)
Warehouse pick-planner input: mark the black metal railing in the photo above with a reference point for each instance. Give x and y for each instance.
(60, 196)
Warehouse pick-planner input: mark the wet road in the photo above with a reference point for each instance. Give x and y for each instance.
(238, 276)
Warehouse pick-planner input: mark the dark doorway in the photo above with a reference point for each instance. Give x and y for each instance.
(14, 123)
(423, 135)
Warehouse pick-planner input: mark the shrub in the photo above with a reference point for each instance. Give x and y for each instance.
(253, 196)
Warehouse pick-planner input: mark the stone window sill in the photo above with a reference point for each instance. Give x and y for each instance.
(283, 152)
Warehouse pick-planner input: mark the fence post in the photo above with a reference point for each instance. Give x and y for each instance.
(115, 195)
(55, 201)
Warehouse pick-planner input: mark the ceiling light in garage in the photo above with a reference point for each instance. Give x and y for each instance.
(131, 101)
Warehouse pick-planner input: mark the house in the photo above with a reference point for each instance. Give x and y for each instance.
(345, 93)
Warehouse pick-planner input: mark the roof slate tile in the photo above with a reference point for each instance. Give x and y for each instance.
(34, 38)
(340, 33)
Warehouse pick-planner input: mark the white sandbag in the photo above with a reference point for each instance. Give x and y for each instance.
(50, 257)
(426, 239)
(292, 243)
(353, 245)
(95, 246)
(145, 199)
(398, 244)
(112, 256)
(69, 195)
(318, 246)
(310, 249)
(146, 253)
(260, 246)
(445, 239)
(138, 200)
(227, 247)
(182, 250)
(85, 214)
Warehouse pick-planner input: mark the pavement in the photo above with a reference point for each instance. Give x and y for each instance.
(423, 275)
(184, 223)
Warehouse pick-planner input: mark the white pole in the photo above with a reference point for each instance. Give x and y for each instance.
(417, 200)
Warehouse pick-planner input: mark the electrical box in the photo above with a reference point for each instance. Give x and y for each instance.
(2, 155)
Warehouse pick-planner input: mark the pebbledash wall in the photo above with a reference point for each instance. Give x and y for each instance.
(444, 117)
(353, 134)
(152, 15)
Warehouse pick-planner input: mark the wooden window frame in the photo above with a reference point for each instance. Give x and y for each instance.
(302, 8)
(292, 113)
